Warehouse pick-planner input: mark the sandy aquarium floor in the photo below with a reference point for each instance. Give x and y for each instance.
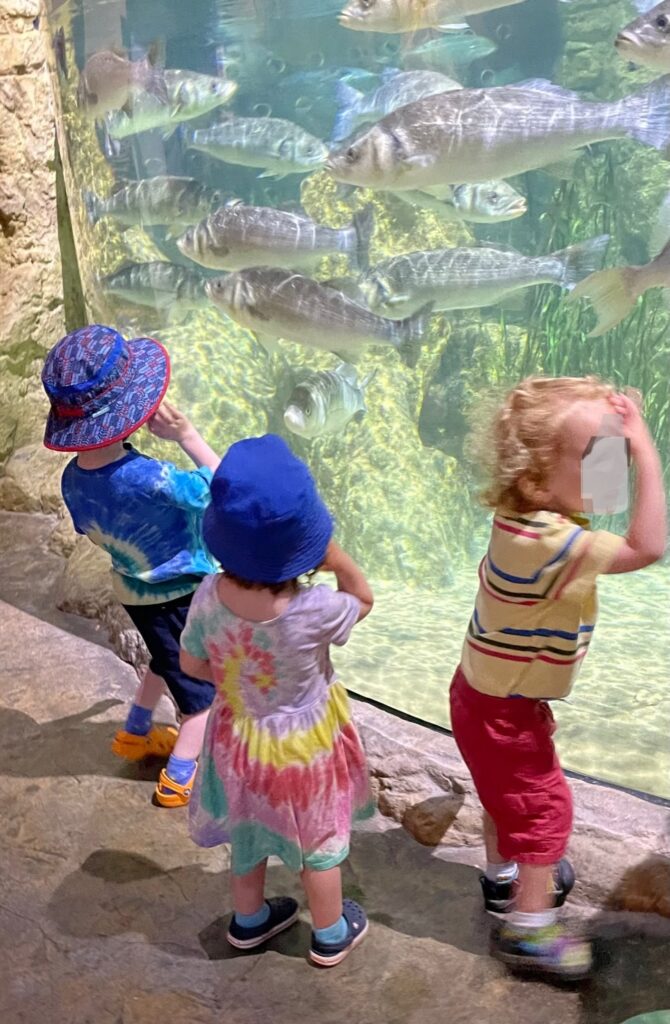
(615, 725)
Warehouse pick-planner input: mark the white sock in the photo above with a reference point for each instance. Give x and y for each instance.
(505, 872)
(543, 919)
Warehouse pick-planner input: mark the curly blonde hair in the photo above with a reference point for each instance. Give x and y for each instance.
(521, 438)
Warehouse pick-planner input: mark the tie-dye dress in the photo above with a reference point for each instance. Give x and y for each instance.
(282, 770)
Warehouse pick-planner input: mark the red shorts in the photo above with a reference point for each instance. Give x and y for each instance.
(507, 744)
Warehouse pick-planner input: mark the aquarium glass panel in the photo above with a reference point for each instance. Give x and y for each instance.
(347, 226)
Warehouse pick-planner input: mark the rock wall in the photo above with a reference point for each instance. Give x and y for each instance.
(31, 291)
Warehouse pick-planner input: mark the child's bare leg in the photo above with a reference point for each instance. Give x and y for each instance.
(536, 890)
(493, 855)
(248, 890)
(150, 690)
(497, 868)
(324, 895)
(191, 735)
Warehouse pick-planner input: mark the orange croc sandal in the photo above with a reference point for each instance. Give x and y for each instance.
(169, 793)
(158, 742)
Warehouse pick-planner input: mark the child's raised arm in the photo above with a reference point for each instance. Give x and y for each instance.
(350, 579)
(170, 424)
(647, 534)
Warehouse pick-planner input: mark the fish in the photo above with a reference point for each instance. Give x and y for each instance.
(188, 95)
(398, 88)
(614, 292)
(325, 402)
(275, 303)
(449, 51)
(280, 147)
(468, 278)
(162, 200)
(238, 236)
(166, 287)
(109, 79)
(646, 40)
(411, 15)
(457, 137)
(490, 202)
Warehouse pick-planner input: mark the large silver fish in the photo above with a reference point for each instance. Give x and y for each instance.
(168, 288)
(412, 15)
(487, 203)
(152, 201)
(278, 146)
(472, 134)
(188, 95)
(646, 40)
(239, 236)
(325, 402)
(398, 89)
(279, 304)
(470, 278)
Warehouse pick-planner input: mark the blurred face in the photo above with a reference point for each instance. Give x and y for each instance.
(591, 472)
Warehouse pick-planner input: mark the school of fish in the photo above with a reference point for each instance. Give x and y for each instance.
(403, 126)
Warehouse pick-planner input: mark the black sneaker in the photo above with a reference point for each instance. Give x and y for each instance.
(499, 897)
(330, 954)
(283, 912)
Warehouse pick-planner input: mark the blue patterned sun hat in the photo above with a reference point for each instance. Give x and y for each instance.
(266, 522)
(101, 387)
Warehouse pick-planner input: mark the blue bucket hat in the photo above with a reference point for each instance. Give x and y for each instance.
(266, 522)
(101, 387)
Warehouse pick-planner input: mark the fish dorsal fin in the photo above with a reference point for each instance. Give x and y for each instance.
(660, 234)
(544, 85)
(347, 371)
(497, 247)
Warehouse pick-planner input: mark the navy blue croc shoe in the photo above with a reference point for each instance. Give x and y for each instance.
(283, 912)
(334, 953)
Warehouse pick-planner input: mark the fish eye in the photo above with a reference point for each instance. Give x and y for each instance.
(493, 197)
(662, 22)
(365, 5)
(308, 407)
(351, 155)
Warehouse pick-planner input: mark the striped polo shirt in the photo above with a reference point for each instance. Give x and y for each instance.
(536, 606)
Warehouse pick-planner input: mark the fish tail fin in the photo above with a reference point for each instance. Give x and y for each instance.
(582, 259)
(412, 330)
(348, 102)
(364, 225)
(93, 207)
(613, 294)
(647, 114)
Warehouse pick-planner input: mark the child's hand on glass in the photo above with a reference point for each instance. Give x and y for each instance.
(170, 424)
(629, 408)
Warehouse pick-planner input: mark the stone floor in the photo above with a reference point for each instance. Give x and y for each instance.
(109, 915)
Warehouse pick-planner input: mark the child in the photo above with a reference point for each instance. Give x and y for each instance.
(147, 514)
(533, 620)
(283, 772)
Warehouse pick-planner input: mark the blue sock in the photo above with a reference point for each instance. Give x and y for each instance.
(253, 920)
(138, 721)
(333, 933)
(179, 769)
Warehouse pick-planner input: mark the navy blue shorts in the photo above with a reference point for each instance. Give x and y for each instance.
(160, 626)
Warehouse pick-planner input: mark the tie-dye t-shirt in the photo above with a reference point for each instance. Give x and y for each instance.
(147, 515)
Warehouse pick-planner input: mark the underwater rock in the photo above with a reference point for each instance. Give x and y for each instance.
(31, 291)
(30, 481)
